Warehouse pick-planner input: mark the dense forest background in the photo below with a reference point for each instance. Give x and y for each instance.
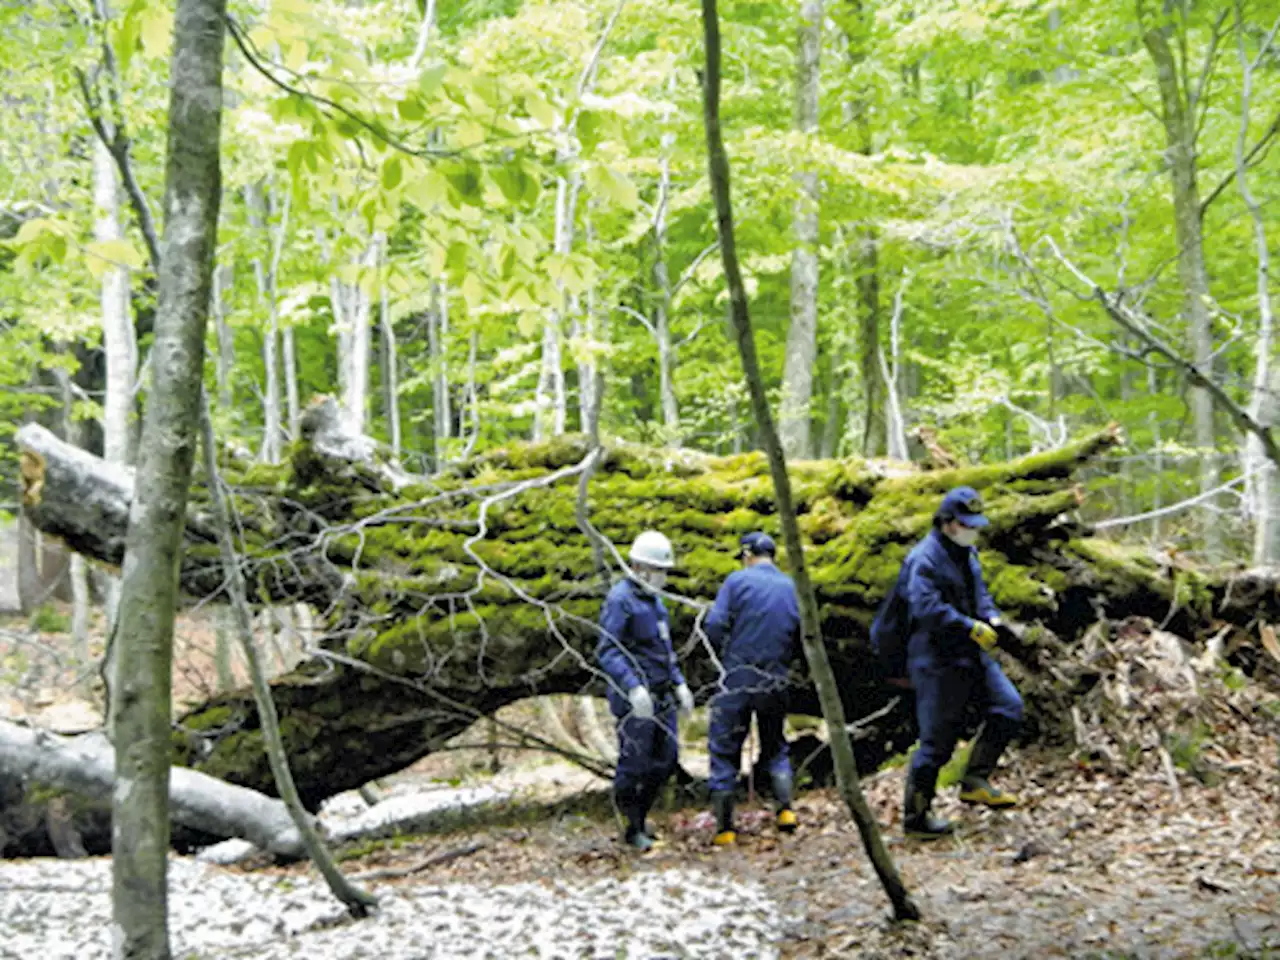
(970, 229)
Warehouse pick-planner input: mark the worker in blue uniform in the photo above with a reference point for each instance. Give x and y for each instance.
(645, 685)
(754, 628)
(953, 626)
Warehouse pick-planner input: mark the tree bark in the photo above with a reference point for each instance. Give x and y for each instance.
(292, 400)
(815, 651)
(390, 369)
(662, 317)
(551, 412)
(1263, 405)
(802, 335)
(84, 766)
(1180, 139)
(139, 709)
(876, 423)
(262, 206)
(226, 356)
(118, 341)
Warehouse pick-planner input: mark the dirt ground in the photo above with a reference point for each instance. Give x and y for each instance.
(1091, 865)
(1094, 864)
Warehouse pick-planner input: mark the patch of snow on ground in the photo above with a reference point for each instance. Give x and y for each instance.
(61, 910)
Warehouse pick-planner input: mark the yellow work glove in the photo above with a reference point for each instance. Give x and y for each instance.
(984, 635)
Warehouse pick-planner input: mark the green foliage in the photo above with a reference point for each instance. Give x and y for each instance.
(956, 140)
(49, 619)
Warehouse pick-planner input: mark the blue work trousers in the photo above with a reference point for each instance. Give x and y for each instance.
(944, 691)
(731, 718)
(647, 749)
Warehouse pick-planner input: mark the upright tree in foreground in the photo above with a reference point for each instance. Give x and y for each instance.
(143, 637)
(904, 908)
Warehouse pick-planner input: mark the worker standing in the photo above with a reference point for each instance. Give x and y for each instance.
(754, 627)
(645, 683)
(952, 626)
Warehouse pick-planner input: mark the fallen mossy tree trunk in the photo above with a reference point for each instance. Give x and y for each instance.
(447, 597)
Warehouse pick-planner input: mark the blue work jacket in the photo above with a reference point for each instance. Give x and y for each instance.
(945, 595)
(755, 621)
(635, 648)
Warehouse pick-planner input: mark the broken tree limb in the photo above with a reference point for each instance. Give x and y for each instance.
(358, 901)
(84, 766)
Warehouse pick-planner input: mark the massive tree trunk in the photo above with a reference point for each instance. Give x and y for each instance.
(802, 335)
(1180, 124)
(140, 694)
(436, 621)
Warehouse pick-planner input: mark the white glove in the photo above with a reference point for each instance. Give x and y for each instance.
(641, 703)
(684, 697)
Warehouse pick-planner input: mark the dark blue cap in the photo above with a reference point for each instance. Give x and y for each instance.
(963, 504)
(758, 544)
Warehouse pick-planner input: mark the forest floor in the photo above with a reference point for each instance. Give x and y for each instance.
(1159, 860)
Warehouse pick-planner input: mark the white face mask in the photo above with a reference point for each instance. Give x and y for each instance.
(653, 579)
(965, 536)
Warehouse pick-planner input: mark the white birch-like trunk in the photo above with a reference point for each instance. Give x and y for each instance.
(292, 399)
(802, 335)
(440, 389)
(551, 411)
(225, 359)
(119, 343)
(662, 317)
(1263, 405)
(359, 310)
(390, 369)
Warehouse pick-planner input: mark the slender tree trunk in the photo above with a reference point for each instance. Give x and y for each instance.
(550, 416)
(75, 433)
(440, 376)
(876, 424)
(226, 357)
(1263, 405)
(119, 341)
(117, 331)
(433, 358)
(140, 704)
(360, 306)
(1180, 138)
(1157, 444)
(662, 317)
(833, 425)
(390, 369)
(222, 651)
(292, 399)
(357, 901)
(802, 335)
(259, 213)
(814, 649)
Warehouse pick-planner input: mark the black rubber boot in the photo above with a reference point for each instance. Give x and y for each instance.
(631, 806)
(975, 786)
(786, 818)
(722, 806)
(917, 819)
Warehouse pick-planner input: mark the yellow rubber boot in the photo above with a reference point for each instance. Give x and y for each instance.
(787, 821)
(979, 790)
(725, 838)
(722, 806)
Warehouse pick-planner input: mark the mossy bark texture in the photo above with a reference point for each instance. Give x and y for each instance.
(436, 620)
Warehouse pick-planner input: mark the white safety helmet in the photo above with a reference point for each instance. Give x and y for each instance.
(653, 550)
